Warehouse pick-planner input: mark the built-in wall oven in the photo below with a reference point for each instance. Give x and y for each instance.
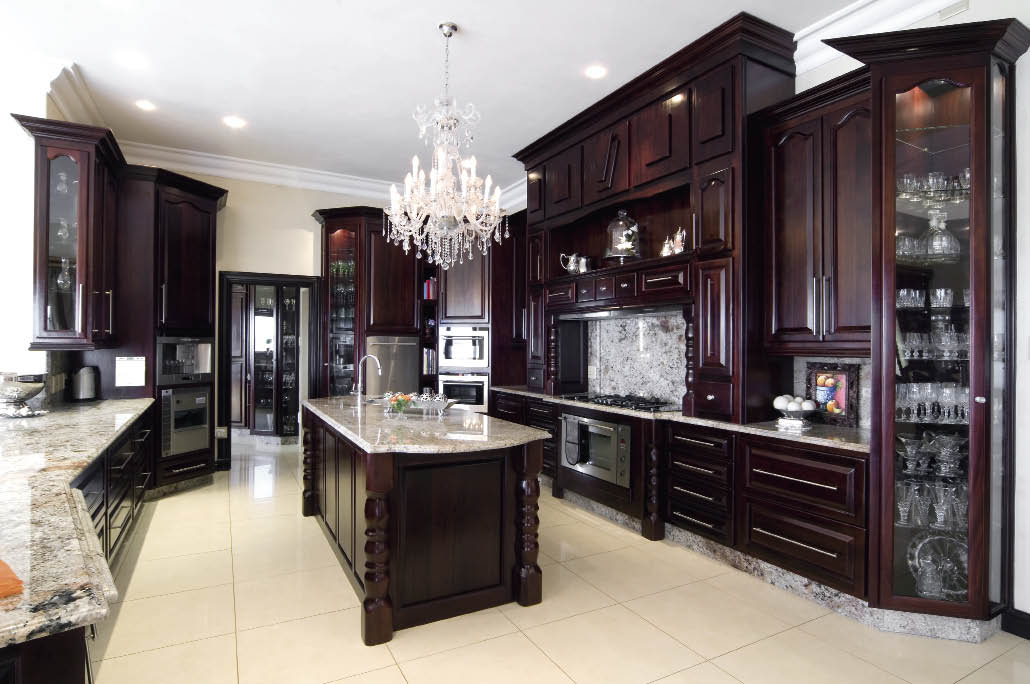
(464, 346)
(596, 448)
(185, 418)
(472, 390)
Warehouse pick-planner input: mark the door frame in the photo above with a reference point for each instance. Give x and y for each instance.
(226, 279)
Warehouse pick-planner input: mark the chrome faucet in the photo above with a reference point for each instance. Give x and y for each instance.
(361, 375)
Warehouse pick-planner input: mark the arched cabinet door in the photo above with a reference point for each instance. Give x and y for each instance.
(186, 253)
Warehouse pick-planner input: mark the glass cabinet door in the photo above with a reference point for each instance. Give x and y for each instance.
(343, 298)
(264, 334)
(64, 248)
(289, 304)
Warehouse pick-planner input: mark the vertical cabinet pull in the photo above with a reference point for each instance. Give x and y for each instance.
(825, 301)
(164, 300)
(812, 305)
(693, 229)
(110, 312)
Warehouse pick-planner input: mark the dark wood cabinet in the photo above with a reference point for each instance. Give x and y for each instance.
(713, 112)
(535, 258)
(103, 256)
(713, 298)
(186, 259)
(465, 291)
(535, 343)
(606, 163)
(698, 481)
(563, 177)
(661, 137)
(714, 201)
(392, 284)
(535, 200)
(331, 508)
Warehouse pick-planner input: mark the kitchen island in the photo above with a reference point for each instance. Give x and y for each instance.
(433, 516)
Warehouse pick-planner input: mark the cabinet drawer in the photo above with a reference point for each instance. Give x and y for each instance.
(685, 438)
(604, 288)
(827, 551)
(822, 483)
(535, 378)
(626, 285)
(175, 469)
(509, 407)
(701, 521)
(540, 410)
(700, 467)
(665, 280)
(713, 397)
(550, 460)
(585, 290)
(561, 294)
(694, 492)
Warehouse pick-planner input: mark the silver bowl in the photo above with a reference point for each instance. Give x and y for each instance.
(17, 389)
(795, 420)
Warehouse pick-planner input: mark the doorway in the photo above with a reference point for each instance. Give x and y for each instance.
(268, 357)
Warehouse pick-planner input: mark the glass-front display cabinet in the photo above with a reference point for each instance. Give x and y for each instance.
(343, 301)
(942, 360)
(265, 362)
(289, 385)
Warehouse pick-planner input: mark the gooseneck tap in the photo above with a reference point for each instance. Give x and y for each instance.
(361, 374)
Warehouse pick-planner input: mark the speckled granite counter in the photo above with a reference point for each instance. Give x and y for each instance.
(46, 535)
(851, 439)
(458, 431)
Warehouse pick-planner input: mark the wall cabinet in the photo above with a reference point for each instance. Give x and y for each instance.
(465, 291)
(535, 258)
(186, 263)
(661, 137)
(392, 278)
(714, 317)
(535, 200)
(563, 178)
(606, 163)
(714, 204)
(713, 112)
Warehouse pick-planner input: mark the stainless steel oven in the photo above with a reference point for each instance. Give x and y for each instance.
(185, 419)
(470, 389)
(184, 360)
(596, 448)
(464, 346)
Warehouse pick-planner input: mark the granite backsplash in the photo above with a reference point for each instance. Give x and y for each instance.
(643, 356)
(865, 382)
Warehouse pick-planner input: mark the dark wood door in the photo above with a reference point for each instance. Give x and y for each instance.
(535, 258)
(391, 278)
(535, 200)
(465, 291)
(563, 175)
(536, 326)
(345, 497)
(714, 316)
(606, 163)
(239, 375)
(186, 263)
(846, 292)
(332, 501)
(714, 209)
(103, 250)
(661, 137)
(794, 210)
(712, 113)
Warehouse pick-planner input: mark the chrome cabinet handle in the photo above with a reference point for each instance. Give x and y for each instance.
(794, 542)
(189, 468)
(980, 400)
(812, 305)
(79, 305)
(693, 494)
(693, 229)
(824, 325)
(659, 280)
(110, 312)
(164, 301)
(687, 466)
(794, 479)
(694, 520)
(693, 441)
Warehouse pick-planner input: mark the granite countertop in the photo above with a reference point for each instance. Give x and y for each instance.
(47, 535)
(458, 431)
(847, 438)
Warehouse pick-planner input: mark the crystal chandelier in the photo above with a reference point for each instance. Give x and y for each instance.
(448, 211)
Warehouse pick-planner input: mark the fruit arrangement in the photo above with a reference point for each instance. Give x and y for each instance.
(398, 402)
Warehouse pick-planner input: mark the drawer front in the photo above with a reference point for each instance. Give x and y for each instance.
(535, 378)
(604, 288)
(550, 460)
(700, 521)
(695, 492)
(93, 491)
(665, 280)
(509, 407)
(826, 484)
(541, 410)
(626, 285)
(829, 552)
(561, 294)
(684, 437)
(173, 470)
(585, 291)
(713, 398)
(714, 471)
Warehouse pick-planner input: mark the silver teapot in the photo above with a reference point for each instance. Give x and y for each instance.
(575, 263)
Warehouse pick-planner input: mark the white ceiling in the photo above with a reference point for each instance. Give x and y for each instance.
(330, 84)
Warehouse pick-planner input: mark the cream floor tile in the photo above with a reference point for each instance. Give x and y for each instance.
(918, 660)
(795, 656)
(250, 509)
(565, 542)
(635, 571)
(146, 578)
(278, 598)
(280, 558)
(551, 515)
(1011, 668)
(510, 659)
(543, 560)
(311, 650)
(388, 675)
(786, 606)
(706, 619)
(705, 673)
(190, 537)
(260, 532)
(444, 635)
(212, 661)
(611, 645)
(564, 594)
(145, 624)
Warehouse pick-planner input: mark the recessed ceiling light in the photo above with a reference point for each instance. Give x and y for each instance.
(131, 60)
(596, 71)
(146, 105)
(233, 121)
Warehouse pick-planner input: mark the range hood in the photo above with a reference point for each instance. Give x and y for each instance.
(610, 313)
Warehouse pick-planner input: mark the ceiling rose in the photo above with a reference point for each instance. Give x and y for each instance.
(446, 211)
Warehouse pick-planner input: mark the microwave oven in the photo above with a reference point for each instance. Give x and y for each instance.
(471, 390)
(464, 346)
(184, 360)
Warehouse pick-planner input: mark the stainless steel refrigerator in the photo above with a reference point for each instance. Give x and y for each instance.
(399, 358)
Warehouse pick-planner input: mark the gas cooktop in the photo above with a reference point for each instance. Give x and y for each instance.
(627, 401)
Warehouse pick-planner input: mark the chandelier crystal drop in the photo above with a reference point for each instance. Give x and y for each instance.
(445, 211)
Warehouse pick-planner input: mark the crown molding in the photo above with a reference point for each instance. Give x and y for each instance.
(513, 197)
(261, 172)
(863, 16)
(72, 97)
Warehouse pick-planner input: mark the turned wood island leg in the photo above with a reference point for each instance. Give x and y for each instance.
(528, 578)
(652, 526)
(377, 609)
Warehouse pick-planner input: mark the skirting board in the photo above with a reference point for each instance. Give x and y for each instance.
(1016, 622)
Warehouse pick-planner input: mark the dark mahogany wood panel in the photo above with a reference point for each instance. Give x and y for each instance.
(465, 289)
(536, 342)
(391, 277)
(715, 202)
(535, 200)
(345, 455)
(714, 297)
(330, 507)
(606, 163)
(535, 258)
(712, 118)
(563, 182)
(661, 137)
(186, 257)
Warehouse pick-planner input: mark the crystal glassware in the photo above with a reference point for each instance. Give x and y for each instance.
(942, 298)
(64, 278)
(928, 579)
(903, 493)
(942, 493)
(921, 503)
(941, 246)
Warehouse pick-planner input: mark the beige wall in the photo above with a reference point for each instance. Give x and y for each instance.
(982, 10)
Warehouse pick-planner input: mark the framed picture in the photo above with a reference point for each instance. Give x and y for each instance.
(834, 387)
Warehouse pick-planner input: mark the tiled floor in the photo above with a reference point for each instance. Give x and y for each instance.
(230, 584)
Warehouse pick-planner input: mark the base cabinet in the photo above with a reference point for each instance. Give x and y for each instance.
(698, 489)
(534, 413)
